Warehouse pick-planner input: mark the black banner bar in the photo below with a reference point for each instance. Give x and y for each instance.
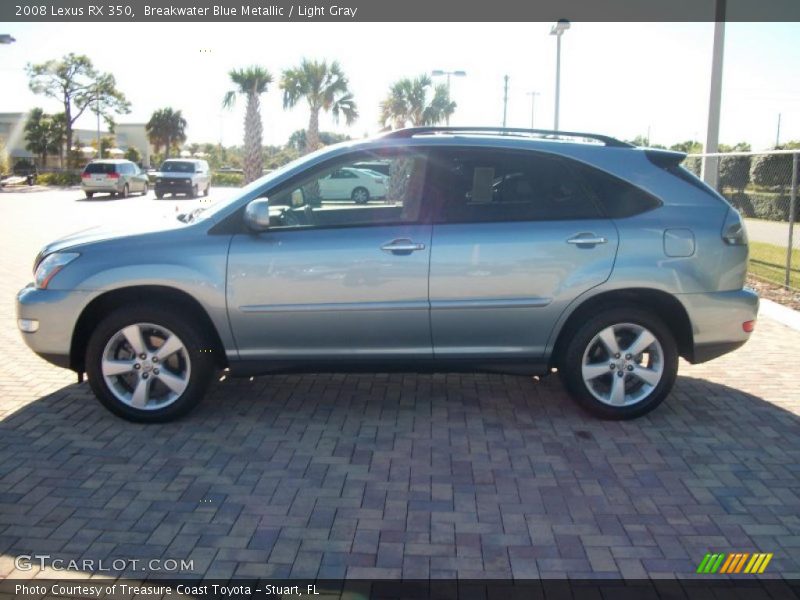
(392, 10)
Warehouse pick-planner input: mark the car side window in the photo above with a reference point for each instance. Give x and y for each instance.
(326, 198)
(491, 185)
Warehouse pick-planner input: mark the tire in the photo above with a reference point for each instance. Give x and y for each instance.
(208, 189)
(142, 394)
(89, 195)
(159, 195)
(146, 190)
(194, 193)
(648, 373)
(360, 195)
(125, 191)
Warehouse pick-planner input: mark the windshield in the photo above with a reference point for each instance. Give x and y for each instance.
(175, 166)
(220, 205)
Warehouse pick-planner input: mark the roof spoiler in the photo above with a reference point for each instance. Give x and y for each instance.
(665, 158)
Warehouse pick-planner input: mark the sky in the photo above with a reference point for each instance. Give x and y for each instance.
(621, 79)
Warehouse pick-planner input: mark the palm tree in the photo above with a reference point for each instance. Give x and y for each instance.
(251, 82)
(166, 127)
(408, 101)
(325, 87)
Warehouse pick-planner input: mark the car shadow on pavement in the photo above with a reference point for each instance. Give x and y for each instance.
(324, 468)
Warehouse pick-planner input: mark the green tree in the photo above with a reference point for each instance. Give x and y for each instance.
(132, 154)
(772, 171)
(325, 88)
(416, 101)
(297, 140)
(166, 128)
(37, 134)
(75, 83)
(250, 82)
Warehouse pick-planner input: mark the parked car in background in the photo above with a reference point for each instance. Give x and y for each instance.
(118, 177)
(187, 176)
(349, 183)
(511, 251)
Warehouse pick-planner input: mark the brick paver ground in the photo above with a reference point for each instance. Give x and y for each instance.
(390, 475)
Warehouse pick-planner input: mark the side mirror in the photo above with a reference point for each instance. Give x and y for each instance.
(256, 215)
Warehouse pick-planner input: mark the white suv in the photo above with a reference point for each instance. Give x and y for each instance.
(183, 176)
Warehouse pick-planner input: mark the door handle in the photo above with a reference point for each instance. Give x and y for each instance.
(402, 246)
(587, 239)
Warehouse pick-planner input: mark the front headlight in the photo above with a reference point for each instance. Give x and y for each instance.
(51, 265)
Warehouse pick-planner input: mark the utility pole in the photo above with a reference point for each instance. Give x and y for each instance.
(778, 134)
(710, 171)
(97, 108)
(505, 99)
(533, 102)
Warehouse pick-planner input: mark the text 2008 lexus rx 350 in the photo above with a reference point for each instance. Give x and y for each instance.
(505, 250)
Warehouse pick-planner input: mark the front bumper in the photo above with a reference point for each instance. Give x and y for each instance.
(167, 186)
(55, 312)
(717, 321)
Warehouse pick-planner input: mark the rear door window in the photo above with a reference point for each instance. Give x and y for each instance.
(99, 168)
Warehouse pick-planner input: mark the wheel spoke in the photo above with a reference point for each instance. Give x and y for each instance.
(594, 371)
(141, 394)
(111, 368)
(641, 343)
(617, 394)
(609, 340)
(173, 382)
(133, 333)
(171, 346)
(649, 376)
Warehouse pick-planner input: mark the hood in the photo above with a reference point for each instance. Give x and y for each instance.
(101, 233)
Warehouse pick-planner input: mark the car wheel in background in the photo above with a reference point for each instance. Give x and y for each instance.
(194, 193)
(89, 194)
(146, 190)
(125, 191)
(208, 189)
(621, 363)
(360, 195)
(148, 363)
(159, 195)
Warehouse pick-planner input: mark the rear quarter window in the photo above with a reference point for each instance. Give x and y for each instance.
(617, 198)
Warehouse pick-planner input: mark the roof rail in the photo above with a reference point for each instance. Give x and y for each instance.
(544, 133)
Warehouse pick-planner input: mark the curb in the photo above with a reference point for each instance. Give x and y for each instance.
(779, 312)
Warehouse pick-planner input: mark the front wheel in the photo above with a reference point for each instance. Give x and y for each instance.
(148, 364)
(621, 363)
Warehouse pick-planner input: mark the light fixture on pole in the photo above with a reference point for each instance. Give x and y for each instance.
(558, 30)
(440, 73)
(533, 103)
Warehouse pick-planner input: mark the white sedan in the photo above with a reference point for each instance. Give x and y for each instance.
(358, 185)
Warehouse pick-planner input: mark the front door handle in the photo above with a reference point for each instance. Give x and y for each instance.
(587, 239)
(402, 246)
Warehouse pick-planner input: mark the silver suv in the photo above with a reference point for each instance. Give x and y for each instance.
(513, 251)
(187, 176)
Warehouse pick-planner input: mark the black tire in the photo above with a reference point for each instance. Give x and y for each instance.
(125, 191)
(194, 192)
(360, 195)
(89, 195)
(208, 189)
(146, 190)
(195, 343)
(571, 362)
(159, 195)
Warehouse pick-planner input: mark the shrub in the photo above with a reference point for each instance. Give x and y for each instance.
(227, 179)
(772, 207)
(64, 178)
(772, 170)
(734, 172)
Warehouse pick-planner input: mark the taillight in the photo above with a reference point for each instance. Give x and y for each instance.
(113, 175)
(85, 175)
(733, 230)
(748, 326)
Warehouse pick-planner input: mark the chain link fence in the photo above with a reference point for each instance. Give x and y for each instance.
(763, 187)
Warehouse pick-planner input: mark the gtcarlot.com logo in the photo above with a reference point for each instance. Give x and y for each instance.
(27, 562)
(734, 562)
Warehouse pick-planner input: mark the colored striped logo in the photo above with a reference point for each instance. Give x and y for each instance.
(735, 562)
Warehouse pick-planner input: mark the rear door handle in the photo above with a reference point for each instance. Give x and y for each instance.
(587, 239)
(402, 246)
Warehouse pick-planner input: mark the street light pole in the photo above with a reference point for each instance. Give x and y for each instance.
(439, 73)
(533, 104)
(709, 169)
(505, 99)
(558, 30)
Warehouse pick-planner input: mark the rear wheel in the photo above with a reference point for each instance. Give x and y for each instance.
(621, 363)
(148, 364)
(159, 195)
(145, 190)
(208, 189)
(89, 194)
(360, 195)
(125, 191)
